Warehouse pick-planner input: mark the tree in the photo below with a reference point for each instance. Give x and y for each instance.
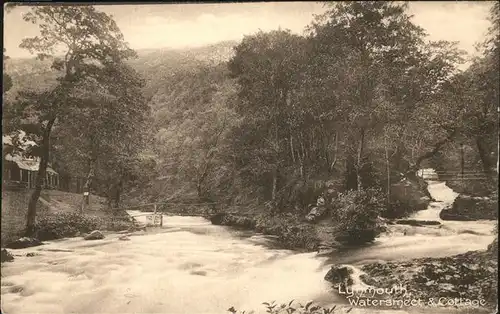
(267, 66)
(383, 68)
(7, 80)
(93, 51)
(192, 132)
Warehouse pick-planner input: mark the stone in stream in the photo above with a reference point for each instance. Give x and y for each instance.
(124, 238)
(340, 276)
(417, 223)
(469, 208)
(94, 235)
(23, 243)
(218, 218)
(447, 214)
(136, 228)
(6, 256)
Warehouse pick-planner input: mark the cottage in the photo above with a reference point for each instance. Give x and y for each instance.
(22, 171)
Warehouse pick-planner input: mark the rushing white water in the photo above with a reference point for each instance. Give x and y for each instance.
(191, 266)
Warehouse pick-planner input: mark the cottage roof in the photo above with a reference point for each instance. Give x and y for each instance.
(27, 164)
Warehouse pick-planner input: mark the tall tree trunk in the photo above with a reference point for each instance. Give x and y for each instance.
(359, 165)
(88, 184)
(325, 140)
(412, 171)
(276, 165)
(199, 190)
(332, 165)
(302, 157)
(109, 200)
(485, 158)
(388, 166)
(118, 192)
(274, 184)
(291, 148)
(42, 170)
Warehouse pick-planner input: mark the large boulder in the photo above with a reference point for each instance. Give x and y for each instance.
(466, 208)
(407, 196)
(340, 276)
(124, 238)
(316, 213)
(359, 236)
(94, 235)
(448, 214)
(23, 243)
(6, 256)
(217, 219)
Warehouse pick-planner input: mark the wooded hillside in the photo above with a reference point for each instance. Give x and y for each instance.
(361, 101)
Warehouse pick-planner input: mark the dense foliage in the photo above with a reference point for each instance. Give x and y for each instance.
(287, 117)
(95, 100)
(290, 307)
(360, 101)
(62, 225)
(357, 213)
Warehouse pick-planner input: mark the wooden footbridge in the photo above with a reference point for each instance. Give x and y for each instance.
(154, 212)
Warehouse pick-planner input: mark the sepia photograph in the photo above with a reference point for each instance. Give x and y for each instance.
(250, 157)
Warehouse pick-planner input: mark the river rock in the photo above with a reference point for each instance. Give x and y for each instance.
(6, 256)
(340, 276)
(417, 223)
(466, 208)
(471, 275)
(449, 214)
(94, 235)
(136, 228)
(316, 213)
(124, 238)
(23, 243)
(217, 219)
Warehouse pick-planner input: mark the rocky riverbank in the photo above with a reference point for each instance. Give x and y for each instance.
(291, 232)
(66, 225)
(323, 227)
(469, 276)
(470, 208)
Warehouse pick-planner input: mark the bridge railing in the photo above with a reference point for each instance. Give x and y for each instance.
(154, 216)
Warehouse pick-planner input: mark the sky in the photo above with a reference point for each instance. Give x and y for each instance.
(190, 25)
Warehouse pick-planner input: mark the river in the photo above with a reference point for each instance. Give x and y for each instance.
(191, 266)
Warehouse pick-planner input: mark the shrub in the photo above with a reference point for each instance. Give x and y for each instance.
(402, 208)
(357, 213)
(291, 232)
(116, 224)
(60, 225)
(273, 308)
(407, 197)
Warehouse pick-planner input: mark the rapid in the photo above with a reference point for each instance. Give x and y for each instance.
(191, 266)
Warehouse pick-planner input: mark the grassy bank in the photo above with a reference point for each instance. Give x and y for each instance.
(57, 215)
(14, 211)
